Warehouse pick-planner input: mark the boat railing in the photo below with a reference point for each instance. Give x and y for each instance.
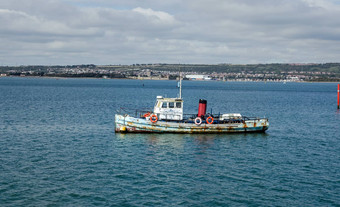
(143, 113)
(133, 112)
(220, 117)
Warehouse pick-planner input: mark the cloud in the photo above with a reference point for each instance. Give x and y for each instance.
(156, 16)
(200, 31)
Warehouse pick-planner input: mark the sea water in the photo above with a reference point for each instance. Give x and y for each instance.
(58, 146)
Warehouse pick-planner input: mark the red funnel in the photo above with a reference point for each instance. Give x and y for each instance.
(202, 107)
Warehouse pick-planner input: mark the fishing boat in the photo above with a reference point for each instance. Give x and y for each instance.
(167, 117)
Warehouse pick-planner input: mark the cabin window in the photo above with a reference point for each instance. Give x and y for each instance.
(178, 105)
(171, 104)
(165, 105)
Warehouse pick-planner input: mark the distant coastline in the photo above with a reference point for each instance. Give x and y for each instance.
(327, 72)
(155, 79)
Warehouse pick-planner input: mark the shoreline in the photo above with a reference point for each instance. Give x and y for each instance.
(58, 77)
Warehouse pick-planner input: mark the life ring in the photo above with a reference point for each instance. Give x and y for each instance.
(211, 120)
(153, 118)
(146, 115)
(198, 121)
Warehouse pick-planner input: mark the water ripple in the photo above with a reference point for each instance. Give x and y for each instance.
(58, 147)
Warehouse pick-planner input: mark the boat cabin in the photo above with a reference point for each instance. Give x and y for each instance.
(169, 108)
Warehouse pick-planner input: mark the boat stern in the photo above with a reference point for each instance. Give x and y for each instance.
(264, 123)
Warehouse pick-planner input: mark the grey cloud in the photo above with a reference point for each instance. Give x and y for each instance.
(192, 31)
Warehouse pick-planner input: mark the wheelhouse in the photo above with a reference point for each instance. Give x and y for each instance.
(169, 108)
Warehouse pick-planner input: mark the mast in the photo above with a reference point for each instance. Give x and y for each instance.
(180, 84)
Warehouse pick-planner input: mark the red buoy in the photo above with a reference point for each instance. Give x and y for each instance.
(338, 96)
(202, 107)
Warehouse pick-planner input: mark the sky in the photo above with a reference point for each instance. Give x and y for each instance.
(103, 32)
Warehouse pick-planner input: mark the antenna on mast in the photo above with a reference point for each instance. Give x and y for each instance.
(180, 82)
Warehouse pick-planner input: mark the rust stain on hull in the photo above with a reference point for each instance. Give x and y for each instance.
(135, 125)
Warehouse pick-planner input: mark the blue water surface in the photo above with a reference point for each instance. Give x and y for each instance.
(58, 146)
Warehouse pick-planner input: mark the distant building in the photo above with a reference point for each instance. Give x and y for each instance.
(198, 77)
(293, 79)
(149, 73)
